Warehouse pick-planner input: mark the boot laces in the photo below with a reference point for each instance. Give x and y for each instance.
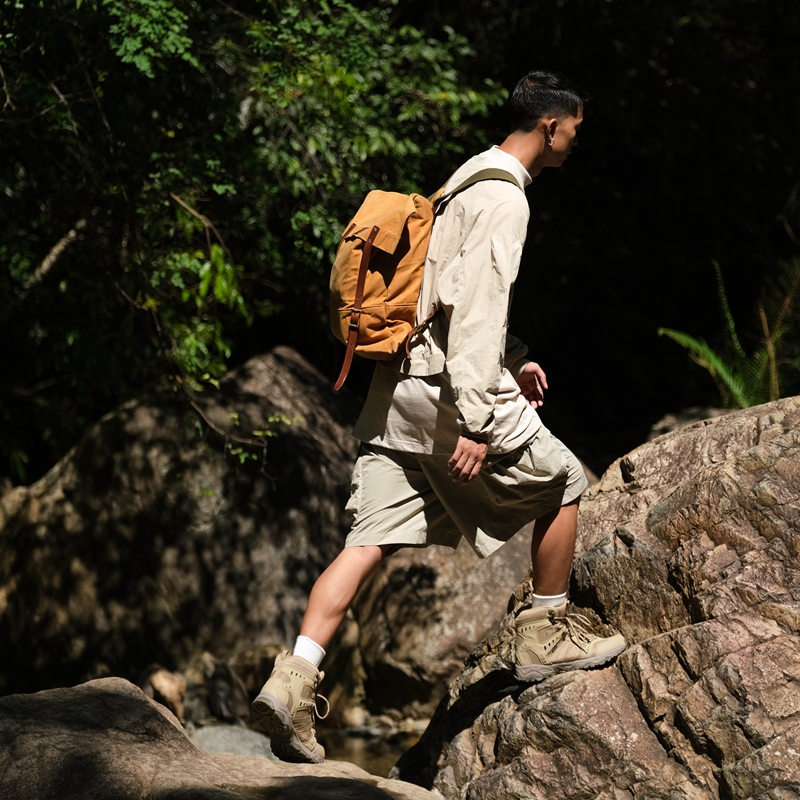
(317, 697)
(578, 628)
(304, 719)
(327, 706)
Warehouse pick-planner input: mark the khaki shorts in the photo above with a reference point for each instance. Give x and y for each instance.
(410, 499)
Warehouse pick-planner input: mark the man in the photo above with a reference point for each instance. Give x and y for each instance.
(452, 444)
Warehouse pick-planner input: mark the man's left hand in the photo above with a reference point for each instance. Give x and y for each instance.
(532, 381)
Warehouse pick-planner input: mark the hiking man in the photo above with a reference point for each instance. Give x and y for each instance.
(452, 445)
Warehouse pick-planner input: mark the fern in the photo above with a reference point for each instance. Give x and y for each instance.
(725, 376)
(749, 380)
(726, 310)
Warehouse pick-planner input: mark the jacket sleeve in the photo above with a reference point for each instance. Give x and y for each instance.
(475, 292)
(516, 355)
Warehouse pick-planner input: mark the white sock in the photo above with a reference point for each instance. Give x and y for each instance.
(309, 650)
(549, 599)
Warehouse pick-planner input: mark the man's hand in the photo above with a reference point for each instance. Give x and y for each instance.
(467, 460)
(533, 382)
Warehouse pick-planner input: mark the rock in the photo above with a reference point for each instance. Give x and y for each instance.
(580, 736)
(233, 739)
(635, 483)
(689, 546)
(418, 619)
(225, 693)
(344, 681)
(255, 665)
(105, 739)
(167, 688)
(151, 542)
(672, 422)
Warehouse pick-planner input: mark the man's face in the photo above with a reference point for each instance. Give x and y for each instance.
(565, 137)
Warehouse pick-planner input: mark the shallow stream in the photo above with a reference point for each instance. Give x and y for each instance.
(374, 754)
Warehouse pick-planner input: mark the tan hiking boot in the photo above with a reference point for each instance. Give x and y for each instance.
(285, 708)
(549, 641)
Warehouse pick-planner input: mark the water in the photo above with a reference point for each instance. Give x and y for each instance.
(366, 749)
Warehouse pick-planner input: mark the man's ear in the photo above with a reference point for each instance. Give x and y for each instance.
(550, 129)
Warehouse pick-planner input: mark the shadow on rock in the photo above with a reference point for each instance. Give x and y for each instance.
(419, 764)
(153, 540)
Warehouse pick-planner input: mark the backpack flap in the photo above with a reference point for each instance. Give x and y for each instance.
(388, 211)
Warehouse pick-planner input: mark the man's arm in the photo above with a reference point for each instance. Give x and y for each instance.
(468, 458)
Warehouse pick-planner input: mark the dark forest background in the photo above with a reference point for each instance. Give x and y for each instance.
(174, 175)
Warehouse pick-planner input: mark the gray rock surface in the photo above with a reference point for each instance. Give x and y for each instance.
(104, 740)
(680, 419)
(689, 545)
(150, 542)
(232, 739)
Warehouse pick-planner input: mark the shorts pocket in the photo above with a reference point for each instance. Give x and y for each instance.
(356, 489)
(539, 460)
(542, 459)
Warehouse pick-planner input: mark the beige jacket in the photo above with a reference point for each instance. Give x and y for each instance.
(472, 263)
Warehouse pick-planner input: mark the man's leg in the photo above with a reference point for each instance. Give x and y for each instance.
(547, 640)
(285, 707)
(336, 588)
(553, 548)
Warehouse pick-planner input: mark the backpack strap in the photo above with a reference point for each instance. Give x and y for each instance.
(492, 174)
(355, 314)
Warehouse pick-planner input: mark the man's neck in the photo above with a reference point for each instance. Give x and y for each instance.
(527, 148)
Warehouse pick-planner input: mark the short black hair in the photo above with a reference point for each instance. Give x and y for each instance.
(543, 94)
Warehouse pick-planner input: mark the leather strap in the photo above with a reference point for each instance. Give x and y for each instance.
(419, 328)
(355, 314)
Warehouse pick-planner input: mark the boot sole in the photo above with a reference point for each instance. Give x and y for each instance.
(269, 715)
(533, 673)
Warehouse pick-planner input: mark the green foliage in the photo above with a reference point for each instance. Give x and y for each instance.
(354, 105)
(744, 380)
(239, 453)
(135, 135)
(189, 288)
(174, 170)
(274, 423)
(237, 446)
(148, 30)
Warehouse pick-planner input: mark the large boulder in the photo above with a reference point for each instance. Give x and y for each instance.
(161, 535)
(105, 739)
(688, 545)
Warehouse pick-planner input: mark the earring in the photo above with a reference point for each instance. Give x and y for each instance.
(551, 142)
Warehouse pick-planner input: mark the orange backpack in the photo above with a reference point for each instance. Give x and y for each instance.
(377, 273)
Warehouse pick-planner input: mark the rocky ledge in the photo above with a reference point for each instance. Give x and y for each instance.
(105, 740)
(690, 546)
